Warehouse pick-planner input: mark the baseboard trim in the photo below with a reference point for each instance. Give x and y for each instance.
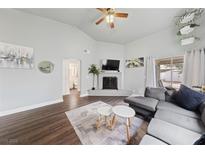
(84, 95)
(30, 107)
(109, 92)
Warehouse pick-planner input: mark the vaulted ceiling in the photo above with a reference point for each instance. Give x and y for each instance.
(140, 22)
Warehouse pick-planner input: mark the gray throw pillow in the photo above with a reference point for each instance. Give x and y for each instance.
(169, 95)
(156, 93)
(203, 116)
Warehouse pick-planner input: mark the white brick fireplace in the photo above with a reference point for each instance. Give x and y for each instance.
(110, 92)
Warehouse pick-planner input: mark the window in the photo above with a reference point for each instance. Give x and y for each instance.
(169, 71)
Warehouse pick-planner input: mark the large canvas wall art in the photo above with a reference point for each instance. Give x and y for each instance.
(136, 62)
(15, 56)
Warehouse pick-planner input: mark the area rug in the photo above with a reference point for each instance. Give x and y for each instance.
(83, 121)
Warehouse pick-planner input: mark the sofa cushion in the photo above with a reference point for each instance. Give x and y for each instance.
(156, 93)
(201, 140)
(143, 102)
(188, 98)
(171, 133)
(201, 107)
(175, 108)
(192, 124)
(149, 140)
(203, 116)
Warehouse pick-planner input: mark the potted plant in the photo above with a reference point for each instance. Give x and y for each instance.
(93, 69)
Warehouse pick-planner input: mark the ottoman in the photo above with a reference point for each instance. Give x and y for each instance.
(144, 106)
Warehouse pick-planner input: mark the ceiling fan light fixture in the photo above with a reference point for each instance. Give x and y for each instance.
(110, 18)
(109, 14)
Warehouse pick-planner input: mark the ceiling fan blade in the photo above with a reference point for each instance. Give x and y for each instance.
(103, 10)
(100, 20)
(121, 15)
(112, 25)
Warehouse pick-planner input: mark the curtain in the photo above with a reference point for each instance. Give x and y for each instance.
(150, 72)
(194, 68)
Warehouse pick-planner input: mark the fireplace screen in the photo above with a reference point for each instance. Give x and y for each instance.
(110, 83)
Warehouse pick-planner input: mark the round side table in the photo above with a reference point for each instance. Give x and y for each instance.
(124, 112)
(104, 113)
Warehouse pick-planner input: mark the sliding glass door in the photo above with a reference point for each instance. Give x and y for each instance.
(169, 71)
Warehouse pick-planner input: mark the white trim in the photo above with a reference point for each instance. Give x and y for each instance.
(65, 74)
(68, 93)
(110, 92)
(30, 107)
(84, 95)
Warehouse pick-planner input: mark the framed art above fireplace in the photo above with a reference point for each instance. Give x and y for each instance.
(134, 63)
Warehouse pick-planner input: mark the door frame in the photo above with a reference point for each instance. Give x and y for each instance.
(65, 75)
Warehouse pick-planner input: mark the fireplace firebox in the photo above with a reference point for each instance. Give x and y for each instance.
(110, 83)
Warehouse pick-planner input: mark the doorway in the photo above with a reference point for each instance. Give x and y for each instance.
(71, 76)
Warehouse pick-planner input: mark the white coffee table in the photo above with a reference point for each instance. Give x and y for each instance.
(104, 113)
(124, 112)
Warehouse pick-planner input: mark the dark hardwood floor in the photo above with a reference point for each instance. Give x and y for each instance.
(49, 124)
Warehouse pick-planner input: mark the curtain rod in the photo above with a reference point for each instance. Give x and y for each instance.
(197, 49)
(169, 57)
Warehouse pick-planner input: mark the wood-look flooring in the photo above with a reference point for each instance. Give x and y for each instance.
(49, 124)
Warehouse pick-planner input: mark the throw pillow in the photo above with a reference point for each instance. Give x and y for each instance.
(188, 98)
(156, 93)
(169, 95)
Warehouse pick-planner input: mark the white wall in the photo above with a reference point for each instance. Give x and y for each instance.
(110, 51)
(55, 41)
(159, 45)
(51, 41)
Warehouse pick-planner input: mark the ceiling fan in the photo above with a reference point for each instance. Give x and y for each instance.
(109, 14)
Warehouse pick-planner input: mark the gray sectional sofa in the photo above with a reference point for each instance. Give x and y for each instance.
(169, 123)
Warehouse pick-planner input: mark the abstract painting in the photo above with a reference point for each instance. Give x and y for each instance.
(136, 62)
(15, 56)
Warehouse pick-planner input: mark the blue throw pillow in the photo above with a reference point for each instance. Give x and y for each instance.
(188, 98)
